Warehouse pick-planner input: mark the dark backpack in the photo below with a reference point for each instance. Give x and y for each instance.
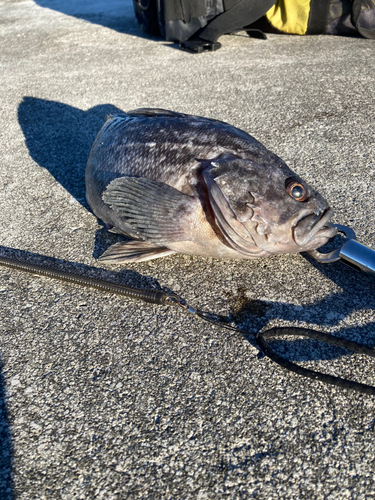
(198, 24)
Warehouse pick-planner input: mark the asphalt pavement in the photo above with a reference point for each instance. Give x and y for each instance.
(105, 397)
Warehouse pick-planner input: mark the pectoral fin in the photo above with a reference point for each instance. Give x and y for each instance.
(153, 210)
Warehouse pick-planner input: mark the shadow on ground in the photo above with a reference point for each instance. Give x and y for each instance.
(357, 294)
(117, 15)
(59, 138)
(6, 454)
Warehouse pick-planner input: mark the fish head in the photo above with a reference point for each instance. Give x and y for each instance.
(261, 207)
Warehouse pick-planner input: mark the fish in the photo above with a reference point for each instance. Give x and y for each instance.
(179, 183)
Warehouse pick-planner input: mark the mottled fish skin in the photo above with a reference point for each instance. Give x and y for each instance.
(226, 197)
(163, 146)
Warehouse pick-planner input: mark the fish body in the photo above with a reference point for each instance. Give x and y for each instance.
(178, 183)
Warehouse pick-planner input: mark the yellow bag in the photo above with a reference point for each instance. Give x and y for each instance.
(290, 16)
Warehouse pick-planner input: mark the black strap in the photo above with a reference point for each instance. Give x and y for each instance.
(242, 14)
(318, 16)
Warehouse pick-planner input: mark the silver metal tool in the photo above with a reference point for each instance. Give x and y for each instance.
(352, 253)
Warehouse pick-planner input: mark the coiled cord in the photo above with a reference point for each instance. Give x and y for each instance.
(147, 295)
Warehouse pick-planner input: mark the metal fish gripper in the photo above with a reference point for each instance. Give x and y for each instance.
(352, 253)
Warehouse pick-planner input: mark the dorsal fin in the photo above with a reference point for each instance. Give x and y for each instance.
(165, 113)
(156, 112)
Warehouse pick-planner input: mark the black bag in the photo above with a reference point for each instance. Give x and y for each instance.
(197, 24)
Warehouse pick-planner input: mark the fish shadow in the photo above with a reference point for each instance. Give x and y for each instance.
(6, 456)
(357, 293)
(59, 138)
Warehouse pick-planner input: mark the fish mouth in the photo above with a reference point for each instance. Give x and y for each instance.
(314, 228)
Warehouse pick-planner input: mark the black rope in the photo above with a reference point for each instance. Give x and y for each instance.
(306, 372)
(162, 298)
(264, 347)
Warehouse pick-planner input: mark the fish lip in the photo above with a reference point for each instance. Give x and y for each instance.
(316, 226)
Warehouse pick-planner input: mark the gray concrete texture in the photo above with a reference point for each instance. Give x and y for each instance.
(104, 397)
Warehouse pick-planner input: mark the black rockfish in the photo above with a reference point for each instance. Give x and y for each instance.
(177, 183)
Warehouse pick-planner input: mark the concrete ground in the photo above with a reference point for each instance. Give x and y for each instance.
(104, 397)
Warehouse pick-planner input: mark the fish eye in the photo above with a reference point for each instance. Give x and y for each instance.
(296, 190)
